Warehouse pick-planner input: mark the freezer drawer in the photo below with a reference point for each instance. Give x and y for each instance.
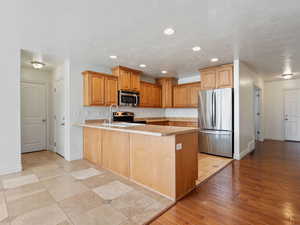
(216, 143)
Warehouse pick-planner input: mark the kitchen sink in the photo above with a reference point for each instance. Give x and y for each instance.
(121, 124)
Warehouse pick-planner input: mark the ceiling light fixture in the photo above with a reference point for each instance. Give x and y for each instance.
(164, 71)
(287, 76)
(142, 65)
(37, 65)
(169, 31)
(214, 60)
(113, 56)
(196, 48)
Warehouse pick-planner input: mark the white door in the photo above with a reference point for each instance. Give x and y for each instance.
(59, 110)
(33, 117)
(292, 114)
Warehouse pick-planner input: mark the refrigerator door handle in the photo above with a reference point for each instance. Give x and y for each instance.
(215, 109)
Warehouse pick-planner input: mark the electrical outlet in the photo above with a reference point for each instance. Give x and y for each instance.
(179, 146)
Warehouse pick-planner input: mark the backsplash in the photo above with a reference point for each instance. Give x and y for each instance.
(181, 112)
(103, 112)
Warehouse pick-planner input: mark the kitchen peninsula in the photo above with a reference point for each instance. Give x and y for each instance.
(161, 158)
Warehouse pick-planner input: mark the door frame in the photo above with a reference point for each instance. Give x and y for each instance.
(283, 110)
(47, 132)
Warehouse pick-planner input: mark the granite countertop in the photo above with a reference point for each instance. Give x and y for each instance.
(154, 130)
(162, 119)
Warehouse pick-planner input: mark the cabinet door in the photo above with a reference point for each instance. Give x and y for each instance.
(124, 80)
(181, 96)
(143, 95)
(97, 90)
(208, 79)
(224, 77)
(156, 93)
(135, 82)
(111, 90)
(194, 92)
(116, 153)
(92, 145)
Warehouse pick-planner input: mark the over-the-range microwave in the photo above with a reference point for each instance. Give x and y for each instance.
(128, 98)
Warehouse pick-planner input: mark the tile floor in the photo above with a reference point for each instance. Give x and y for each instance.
(52, 191)
(208, 165)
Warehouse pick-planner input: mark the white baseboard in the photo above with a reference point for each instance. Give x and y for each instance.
(250, 148)
(4, 171)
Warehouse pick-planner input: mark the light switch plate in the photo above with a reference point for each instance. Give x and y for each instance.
(179, 146)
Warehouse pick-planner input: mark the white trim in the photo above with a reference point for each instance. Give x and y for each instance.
(4, 171)
(250, 148)
(236, 116)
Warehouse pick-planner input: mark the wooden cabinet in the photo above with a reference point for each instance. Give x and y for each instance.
(115, 154)
(224, 76)
(186, 95)
(92, 147)
(99, 89)
(217, 77)
(129, 79)
(167, 84)
(150, 95)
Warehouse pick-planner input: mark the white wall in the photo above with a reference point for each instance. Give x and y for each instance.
(245, 80)
(9, 92)
(45, 77)
(273, 107)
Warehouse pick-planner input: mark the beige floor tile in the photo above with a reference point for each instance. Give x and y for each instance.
(49, 174)
(19, 181)
(29, 203)
(81, 203)
(3, 208)
(50, 215)
(86, 173)
(112, 190)
(97, 181)
(103, 215)
(65, 190)
(24, 191)
(53, 182)
(149, 213)
(132, 204)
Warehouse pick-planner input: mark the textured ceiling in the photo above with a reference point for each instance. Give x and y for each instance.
(264, 34)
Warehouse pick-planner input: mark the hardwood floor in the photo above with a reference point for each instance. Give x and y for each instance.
(261, 189)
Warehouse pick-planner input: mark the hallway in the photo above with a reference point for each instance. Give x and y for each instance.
(263, 188)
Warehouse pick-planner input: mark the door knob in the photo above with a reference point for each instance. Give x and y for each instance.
(62, 124)
(44, 120)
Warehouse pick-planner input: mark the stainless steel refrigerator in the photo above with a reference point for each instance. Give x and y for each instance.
(215, 112)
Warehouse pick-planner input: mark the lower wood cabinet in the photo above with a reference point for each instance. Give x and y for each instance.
(92, 145)
(115, 154)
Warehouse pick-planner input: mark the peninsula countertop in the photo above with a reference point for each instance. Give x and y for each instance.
(154, 130)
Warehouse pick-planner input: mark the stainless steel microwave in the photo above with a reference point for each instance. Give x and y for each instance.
(128, 98)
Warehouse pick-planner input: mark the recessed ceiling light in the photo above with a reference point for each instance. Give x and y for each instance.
(164, 71)
(169, 31)
(142, 65)
(196, 48)
(113, 56)
(37, 64)
(214, 60)
(287, 76)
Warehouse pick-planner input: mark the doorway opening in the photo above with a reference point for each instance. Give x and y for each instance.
(291, 117)
(42, 103)
(258, 113)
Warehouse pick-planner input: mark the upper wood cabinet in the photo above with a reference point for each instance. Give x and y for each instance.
(217, 77)
(99, 89)
(129, 79)
(186, 95)
(150, 95)
(167, 84)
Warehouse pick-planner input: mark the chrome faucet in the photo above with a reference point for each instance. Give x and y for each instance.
(110, 112)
